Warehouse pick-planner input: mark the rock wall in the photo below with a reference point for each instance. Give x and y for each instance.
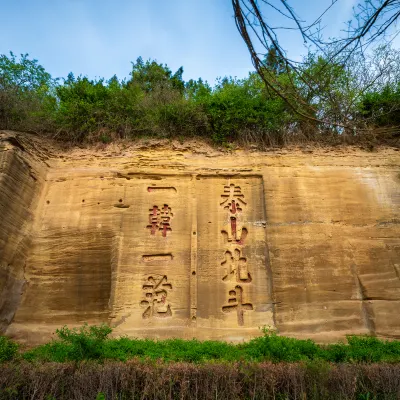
(22, 172)
(169, 240)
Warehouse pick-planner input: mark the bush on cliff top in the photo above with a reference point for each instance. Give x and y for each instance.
(155, 102)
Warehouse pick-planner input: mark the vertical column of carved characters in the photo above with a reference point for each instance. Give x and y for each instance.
(236, 268)
(156, 288)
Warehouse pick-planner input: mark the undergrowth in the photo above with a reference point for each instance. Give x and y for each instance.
(95, 343)
(8, 349)
(86, 363)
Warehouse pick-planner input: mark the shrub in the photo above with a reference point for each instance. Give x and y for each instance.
(8, 349)
(77, 344)
(237, 380)
(93, 343)
(155, 102)
(280, 348)
(382, 107)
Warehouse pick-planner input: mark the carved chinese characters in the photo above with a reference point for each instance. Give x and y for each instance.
(160, 220)
(233, 202)
(156, 288)
(161, 279)
(156, 292)
(235, 265)
(236, 303)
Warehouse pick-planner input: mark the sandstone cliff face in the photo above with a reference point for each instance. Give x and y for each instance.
(186, 241)
(21, 179)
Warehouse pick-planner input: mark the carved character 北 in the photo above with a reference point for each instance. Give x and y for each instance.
(236, 303)
(160, 220)
(156, 292)
(236, 267)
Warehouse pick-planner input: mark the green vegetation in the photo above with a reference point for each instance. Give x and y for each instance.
(93, 343)
(8, 349)
(156, 102)
(85, 363)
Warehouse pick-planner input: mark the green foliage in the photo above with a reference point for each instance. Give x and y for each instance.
(77, 344)
(25, 74)
(27, 98)
(83, 105)
(150, 75)
(382, 106)
(280, 348)
(329, 88)
(236, 107)
(93, 343)
(156, 102)
(8, 349)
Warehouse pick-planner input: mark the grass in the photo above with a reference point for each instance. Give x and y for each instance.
(93, 343)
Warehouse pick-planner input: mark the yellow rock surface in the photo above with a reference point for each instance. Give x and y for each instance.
(164, 240)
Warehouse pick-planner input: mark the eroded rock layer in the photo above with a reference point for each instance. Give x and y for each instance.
(186, 241)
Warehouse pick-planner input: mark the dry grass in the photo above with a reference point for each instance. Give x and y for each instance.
(146, 380)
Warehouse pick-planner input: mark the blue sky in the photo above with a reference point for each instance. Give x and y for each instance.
(99, 38)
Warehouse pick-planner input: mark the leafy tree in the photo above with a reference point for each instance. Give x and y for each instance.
(329, 87)
(26, 94)
(243, 110)
(151, 75)
(256, 23)
(82, 105)
(382, 106)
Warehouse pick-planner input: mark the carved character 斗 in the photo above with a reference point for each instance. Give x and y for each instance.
(236, 303)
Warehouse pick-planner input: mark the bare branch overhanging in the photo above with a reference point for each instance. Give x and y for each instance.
(373, 18)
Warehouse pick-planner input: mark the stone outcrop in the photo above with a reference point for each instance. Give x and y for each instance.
(169, 240)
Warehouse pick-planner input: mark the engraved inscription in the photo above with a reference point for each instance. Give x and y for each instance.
(235, 264)
(235, 235)
(236, 267)
(157, 257)
(236, 303)
(156, 290)
(233, 202)
(160, 220)
(161, 188)
(233, 199)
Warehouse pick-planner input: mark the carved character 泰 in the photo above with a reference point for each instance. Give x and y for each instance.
(236, 303)
(233, 199)
(156, 292)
